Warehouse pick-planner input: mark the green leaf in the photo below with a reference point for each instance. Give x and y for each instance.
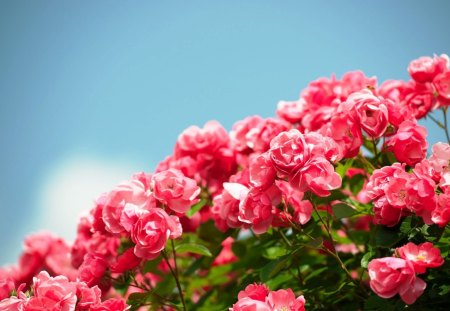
(341, 169)
(135, 300)
(193, 248)
(274, 252)
(366, 259)
(386, 237)
(273, 267)
(342, 210)
(195, 208)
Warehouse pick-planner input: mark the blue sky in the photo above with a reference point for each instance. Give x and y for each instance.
(91, 91)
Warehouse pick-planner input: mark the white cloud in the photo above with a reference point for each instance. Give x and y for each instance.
(71, 187)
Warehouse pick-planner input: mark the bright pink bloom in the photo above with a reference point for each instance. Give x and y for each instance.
(386, 214)
(421, 99)
(52, 294)
(425, 68)
(441, 215)
(126, 261)
(442, 85)
(12, 304)
(6, 287)
(151, 232)
(289, 151)
(115, 304)
(92, 269)
(256, 208)
(259, 137)
(248, 304)
(291, 111)
(175, 190)
(370, 112)
(409, 144)
(254, 291)
(323, 146)
(87, 296)
(284, 299)
(293, 197)
(262, 171)
(226, 255)
(380, 179)
(422, 256)
(318, 176)
(226, 205)
(390, 276)
(239, 134)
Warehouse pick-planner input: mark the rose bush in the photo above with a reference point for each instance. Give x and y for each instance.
(332, 205)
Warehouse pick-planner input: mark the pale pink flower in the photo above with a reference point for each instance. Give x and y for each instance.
(422, 256)
(151, 232)
(256, 208)
(284, 299)
(390, 276)
(369, 110)
(175, 190)
(318, 176)
(289, 151)
(262, 171)
(409, 144)
(291, 111)
(226, 205)
(239, 134)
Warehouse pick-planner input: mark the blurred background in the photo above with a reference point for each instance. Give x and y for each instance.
(92, 91)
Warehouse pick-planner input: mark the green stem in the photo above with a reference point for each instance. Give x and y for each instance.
(444, 111)
(175, 276)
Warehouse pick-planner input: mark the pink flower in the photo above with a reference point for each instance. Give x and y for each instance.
(289, 151)
(92, 269)
(239, 134)
(226, 205)
(318, 176)
(386, 214)
(87, 296)
(151, 232)
(302, 208)
(420, 99)
(425, 68)
(370, 112)
(409, 144)
(175, 190)
(422, 256)
(115, 304)
(380, 179)
(259, 137)
(248, 304)
(441, 215)
(322, 146)
(256, 208)
(390, 276)
(291, 111)
(52, 294)
(442, 85)
(12, 304)
(6, 287)
(126, 261)
(284, 299)
(254, 291)
(195, 140)
(262, 171)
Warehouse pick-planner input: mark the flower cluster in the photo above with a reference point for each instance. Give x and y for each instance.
(397, 275)
(302, 202)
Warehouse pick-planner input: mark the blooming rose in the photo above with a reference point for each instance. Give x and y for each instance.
(239, 133)
(289, 151)
(284, 299)
(226, 205)
(291, 111)
(422, 256)
(370, 112)
(92, 269)
(442, 85)
(318, 176)
(425, 68)
(409, 143)
(390, 276)
(151, 232)
(262, 171)
(115, 304)
(175, 190)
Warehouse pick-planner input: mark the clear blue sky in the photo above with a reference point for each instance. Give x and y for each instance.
(121, 79)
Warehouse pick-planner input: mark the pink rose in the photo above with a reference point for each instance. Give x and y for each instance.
(256, 208)
(289, 151)
(262, 171)
(318, 176)
(409, 144)
(254, 291)
(381, 177)
(422, 256)
(175, 190)
(425, 68)
(302, 208)
(115, 304)
(322, 146)
(239, 133)
(370, 112)
(248, 304)
(151, 232)
(442, 85)
(259, 137)
(385, 214)
(390, 276)
(226, 205)
(195, 140)
(52, 294)
(441, 215)
(6, 287)
(420, 99)
(284, 299)
(87, 296)
(291, 111)
(92, 269)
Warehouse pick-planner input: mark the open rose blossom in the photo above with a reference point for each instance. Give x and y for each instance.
(175, 190)
(422, 256)
(390, 276)
(151, 232)
(257, 297)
